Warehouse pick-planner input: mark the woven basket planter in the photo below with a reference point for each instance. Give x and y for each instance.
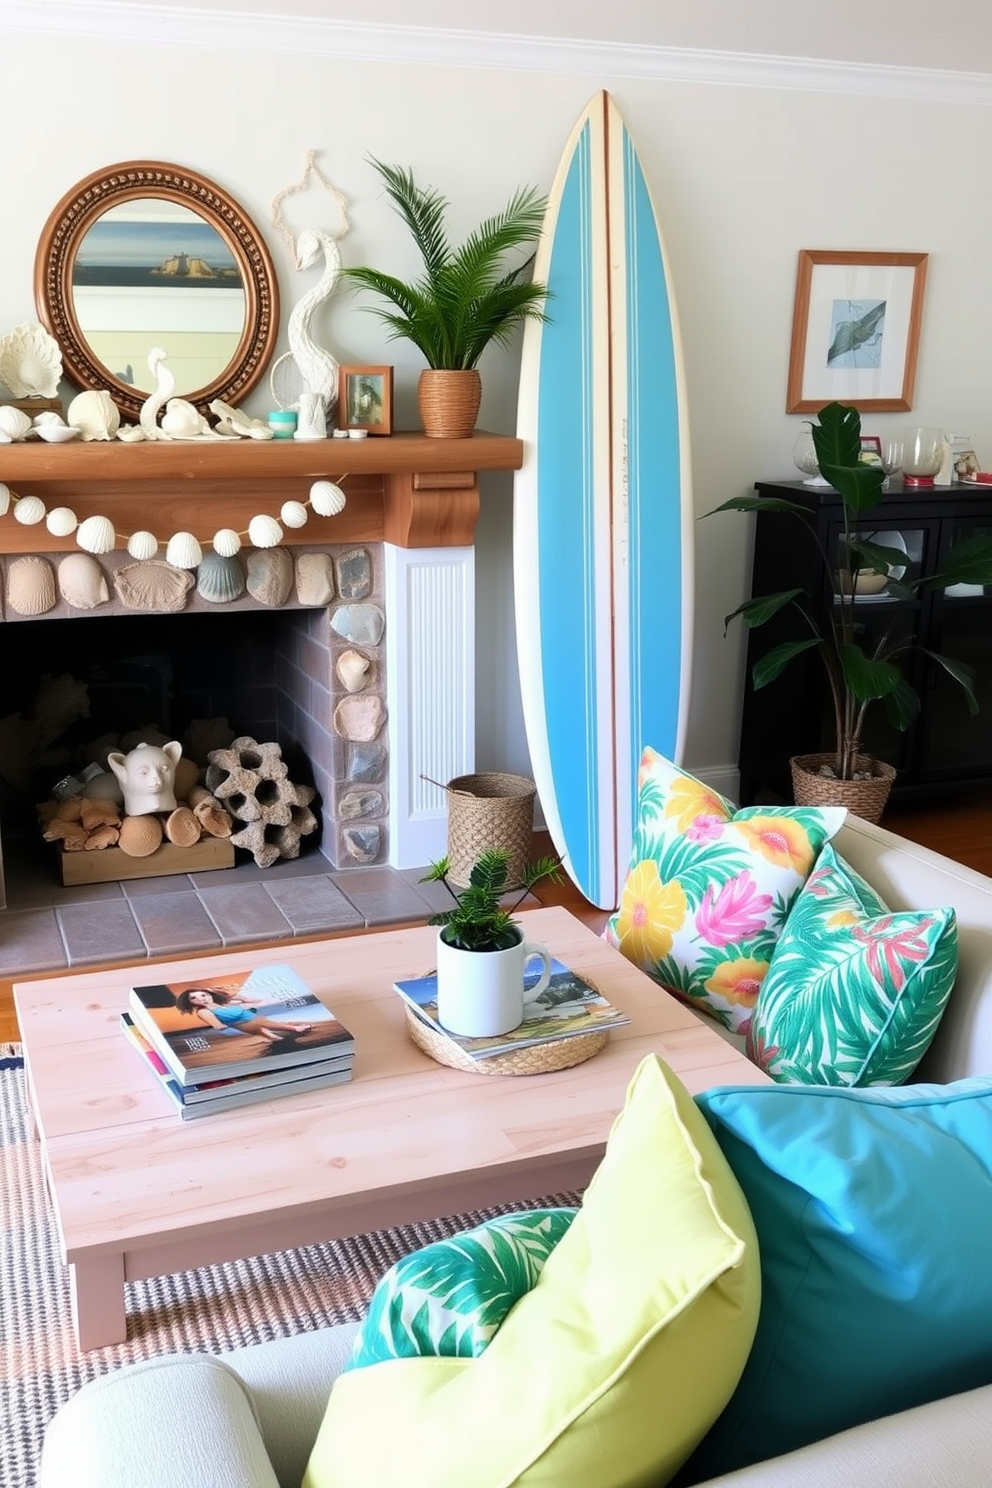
(864, 798)
(449, 403)
(485, 813)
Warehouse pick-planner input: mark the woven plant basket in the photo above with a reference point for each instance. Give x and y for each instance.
(539, 1059)
(864, 798)
(485, 813)
(449, 403)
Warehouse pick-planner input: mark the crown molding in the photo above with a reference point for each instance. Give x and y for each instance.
(186, 26)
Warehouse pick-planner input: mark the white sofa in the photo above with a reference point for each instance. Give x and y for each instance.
(248, 1419)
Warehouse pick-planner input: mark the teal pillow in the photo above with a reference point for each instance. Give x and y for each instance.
(873, 1210)
(449, 1298)
(710, 887)
(854, 992)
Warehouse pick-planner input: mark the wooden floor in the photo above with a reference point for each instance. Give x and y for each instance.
(960, 828)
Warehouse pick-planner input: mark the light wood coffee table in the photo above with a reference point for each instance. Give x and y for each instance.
(137, 1192)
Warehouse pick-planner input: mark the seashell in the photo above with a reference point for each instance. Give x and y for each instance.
(183, 550)
(61, 520)
(31, 586)
(354, 670)
(49, 416)
(226, 542)
(220, 578)
(4, 500)
(232, 421)
(314, 578)
(29, 510)
(82, 582)
(96, 535)
(142, 544)
(131, 433)
(30, 362)
(14, 422)
(326, 498)
(56, 433)
(153, 585)
(140, 836)
(183, 420)
(264, 532)
(294, 514)
(94, 414)
(270, 576)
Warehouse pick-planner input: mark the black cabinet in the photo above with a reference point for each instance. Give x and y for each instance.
(946, 746)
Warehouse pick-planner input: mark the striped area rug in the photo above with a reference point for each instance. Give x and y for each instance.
(207, 1310)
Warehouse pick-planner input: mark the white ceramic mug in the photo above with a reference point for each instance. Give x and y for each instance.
(480, 994)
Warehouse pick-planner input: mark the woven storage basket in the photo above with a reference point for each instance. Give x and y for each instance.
(539, 1059)
(449, 403)
(864, 798)
(489, 812)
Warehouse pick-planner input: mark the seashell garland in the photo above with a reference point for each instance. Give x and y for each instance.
(29, 510)
(61, 520)
(96, 535)
(142, 545)
(183, 550)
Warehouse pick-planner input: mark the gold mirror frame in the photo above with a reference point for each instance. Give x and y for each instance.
(63, 234)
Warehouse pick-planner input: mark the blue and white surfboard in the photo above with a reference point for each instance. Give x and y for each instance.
(602, 513)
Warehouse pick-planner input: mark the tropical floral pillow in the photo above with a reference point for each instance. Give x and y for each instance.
(710, 887)
(854, 993)
(448, 1299)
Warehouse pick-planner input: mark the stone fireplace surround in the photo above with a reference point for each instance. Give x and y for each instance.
(415, 501)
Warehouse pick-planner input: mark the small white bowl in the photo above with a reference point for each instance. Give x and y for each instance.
(56, 433)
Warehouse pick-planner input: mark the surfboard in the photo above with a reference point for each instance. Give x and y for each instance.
(602, 526)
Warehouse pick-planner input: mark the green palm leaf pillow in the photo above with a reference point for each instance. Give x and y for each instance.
(854, 993)
(710, 887)
(448, 1299)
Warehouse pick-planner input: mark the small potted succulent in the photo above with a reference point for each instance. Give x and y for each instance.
(481, 951)
(465, 298)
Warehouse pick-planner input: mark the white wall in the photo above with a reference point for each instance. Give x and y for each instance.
(743, 177)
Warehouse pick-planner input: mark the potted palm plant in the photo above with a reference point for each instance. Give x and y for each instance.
(465, 298)
(481, 951)
(862, 667)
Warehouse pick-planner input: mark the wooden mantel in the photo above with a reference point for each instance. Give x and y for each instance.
(404, 489)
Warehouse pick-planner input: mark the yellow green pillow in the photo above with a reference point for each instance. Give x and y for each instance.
(710, 887)
(611, 1369)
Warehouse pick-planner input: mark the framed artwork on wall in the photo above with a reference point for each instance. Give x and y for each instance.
(855, 330)
(365, 399)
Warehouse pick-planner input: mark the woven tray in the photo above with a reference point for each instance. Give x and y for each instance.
(539, 1059)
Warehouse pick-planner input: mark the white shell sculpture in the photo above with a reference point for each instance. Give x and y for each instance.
(96, 535)
(30, 362)
(232, 421)
(131, 433)
(94, 414)
(4, 500)
(82, 582)
(294, 514)
(226, 542)
(61, 520)
(326, 498)
(183, 420)
(183, 550)
(57, 433)
(29, 509)
(264, 532)
(142, 545)
(13, 422)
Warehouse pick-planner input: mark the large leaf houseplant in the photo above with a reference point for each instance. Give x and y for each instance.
(466, 297)
(862, 666)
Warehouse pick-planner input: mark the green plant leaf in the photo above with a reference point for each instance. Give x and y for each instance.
(867, 677)
(769, 667)
(963, 674)
(755, 612)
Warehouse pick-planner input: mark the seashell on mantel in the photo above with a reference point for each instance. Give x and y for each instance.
(13, 422)
(30, 362)
(95, 414)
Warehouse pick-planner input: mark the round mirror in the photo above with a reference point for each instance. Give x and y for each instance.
(144, 255)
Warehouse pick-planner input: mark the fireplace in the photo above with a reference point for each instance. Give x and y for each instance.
(274, 669)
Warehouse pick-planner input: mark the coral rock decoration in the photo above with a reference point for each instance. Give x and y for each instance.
(270, 813)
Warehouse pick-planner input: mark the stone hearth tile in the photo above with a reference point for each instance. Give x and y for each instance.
(31, 942)
(169, 883)
(308, 864)
(312, 904)
(172, 924)
(104, 932)
(245, 913)
(382, 896)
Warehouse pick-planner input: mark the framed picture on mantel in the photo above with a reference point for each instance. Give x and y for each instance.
(855, 330)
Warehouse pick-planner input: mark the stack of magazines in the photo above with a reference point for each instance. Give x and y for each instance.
(568, 1006)
(231, 1040)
